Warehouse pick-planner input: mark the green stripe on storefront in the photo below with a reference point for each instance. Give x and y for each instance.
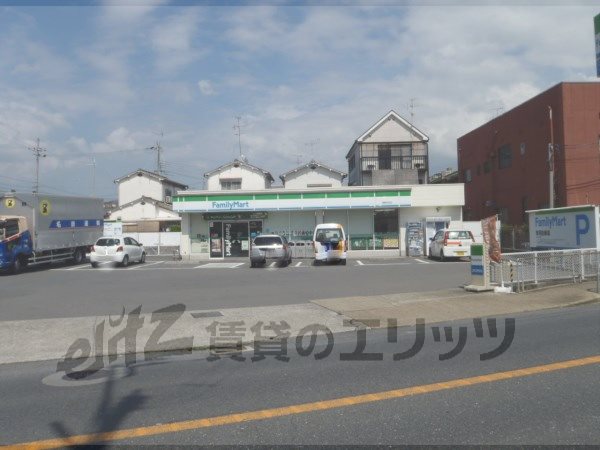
(290, 196)
(265, 197)
(314, 195)
(338, 195)
(219, 198)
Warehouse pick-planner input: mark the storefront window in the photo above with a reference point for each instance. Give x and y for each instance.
(386, 229)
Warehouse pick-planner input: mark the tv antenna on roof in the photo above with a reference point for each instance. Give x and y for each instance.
(312, 144)
(237, 130)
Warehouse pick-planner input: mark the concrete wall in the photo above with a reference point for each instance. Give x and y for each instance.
(251, 179)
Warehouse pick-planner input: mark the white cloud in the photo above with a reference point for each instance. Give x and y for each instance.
(206, 87)
(173, 40)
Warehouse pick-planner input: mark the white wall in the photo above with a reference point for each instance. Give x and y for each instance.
(306, 176)
(136, 187)
(156, 239)
(392, 131)
(438, 194)
(137, 212)
(251, 179)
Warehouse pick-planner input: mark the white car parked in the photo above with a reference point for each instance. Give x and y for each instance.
(451, 244)
(119, 250)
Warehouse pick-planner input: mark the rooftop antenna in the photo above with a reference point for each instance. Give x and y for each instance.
(237, 127)
(38, 152)
(498, 110)
(312, 144)
(411, 109)
(298, 158)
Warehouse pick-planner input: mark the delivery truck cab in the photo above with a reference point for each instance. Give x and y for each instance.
(37, 228)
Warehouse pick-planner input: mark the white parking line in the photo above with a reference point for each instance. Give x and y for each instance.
(360, 263)
(139, 266)
(298, 264)
(82, 266)
(387, 264)
(421, 261)
(272, 264)
(219, 265)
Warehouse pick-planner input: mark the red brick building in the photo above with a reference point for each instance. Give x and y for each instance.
(504, 163)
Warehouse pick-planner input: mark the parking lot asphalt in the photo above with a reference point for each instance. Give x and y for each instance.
(77, 291)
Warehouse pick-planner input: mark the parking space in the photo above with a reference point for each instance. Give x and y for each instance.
(80, 290)
(304, 263)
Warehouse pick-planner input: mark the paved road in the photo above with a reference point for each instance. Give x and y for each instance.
(551, 405)
(76, 291)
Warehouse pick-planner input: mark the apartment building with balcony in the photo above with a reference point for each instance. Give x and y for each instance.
(391, 152)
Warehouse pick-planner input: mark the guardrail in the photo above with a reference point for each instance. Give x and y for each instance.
(519, 269)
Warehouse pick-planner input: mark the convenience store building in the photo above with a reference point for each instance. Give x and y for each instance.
(393, 219)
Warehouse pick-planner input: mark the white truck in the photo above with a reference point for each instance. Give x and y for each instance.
(39, 228)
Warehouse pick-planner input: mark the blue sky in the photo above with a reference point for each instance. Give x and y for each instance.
(104, 81)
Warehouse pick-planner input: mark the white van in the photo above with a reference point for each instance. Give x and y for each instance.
(329, 243)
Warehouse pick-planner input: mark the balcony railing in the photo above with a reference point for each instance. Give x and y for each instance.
(394, 163)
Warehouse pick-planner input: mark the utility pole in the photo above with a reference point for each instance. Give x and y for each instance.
(38, 152)
(158, 149)
(551, 161)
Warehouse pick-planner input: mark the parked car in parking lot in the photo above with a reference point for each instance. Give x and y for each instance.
(451, 244)
(329, 242)
(119, 250)
(270, 247)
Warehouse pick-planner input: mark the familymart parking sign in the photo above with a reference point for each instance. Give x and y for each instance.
(563, 228)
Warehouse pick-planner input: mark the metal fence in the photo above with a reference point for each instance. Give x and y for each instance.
(519, 269)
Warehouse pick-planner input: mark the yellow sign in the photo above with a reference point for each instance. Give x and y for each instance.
(45, 207)
(10, 202)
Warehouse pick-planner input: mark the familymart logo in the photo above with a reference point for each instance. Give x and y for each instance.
(231, 205)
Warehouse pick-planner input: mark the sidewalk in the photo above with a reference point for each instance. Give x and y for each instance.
(89, 337)
(453, 304)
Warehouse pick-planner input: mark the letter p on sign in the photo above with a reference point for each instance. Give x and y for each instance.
(582, 226)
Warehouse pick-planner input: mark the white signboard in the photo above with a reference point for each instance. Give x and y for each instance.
(113, 229)
(563, 228)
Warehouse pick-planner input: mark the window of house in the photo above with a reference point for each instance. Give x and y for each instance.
(468, 176)
(231, 185)
(487, 167)
(384, 157)
(504, 157)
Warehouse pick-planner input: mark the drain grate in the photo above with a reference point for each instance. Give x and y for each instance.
(199, 315)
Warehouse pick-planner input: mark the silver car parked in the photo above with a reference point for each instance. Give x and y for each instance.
(270, 247)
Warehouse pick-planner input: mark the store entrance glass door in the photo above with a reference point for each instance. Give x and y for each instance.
(235, 239)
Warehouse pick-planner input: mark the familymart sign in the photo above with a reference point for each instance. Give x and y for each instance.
(293, 201)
